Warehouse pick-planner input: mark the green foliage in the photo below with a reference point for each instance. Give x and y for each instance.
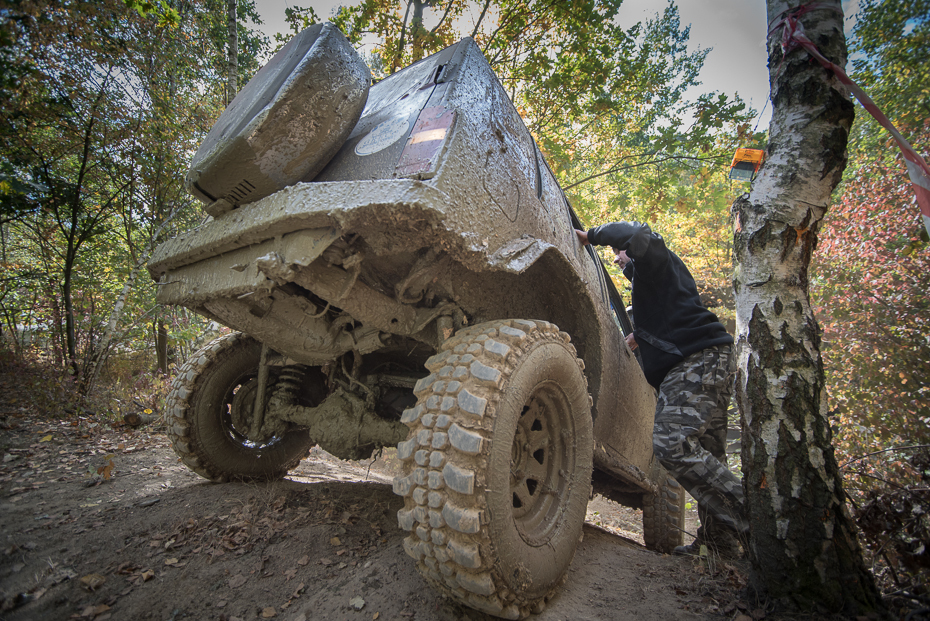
(102, 113)
(167, 16)
(888, 54)
(872, 268)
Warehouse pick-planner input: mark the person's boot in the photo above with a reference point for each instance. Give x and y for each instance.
(725, 545)
(691, 549)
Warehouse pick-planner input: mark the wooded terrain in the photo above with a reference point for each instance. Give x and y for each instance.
(104, 104)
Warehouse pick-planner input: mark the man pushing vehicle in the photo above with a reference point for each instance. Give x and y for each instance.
(687, 356)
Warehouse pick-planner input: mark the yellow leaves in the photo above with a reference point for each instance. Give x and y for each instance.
(106, 470)
(47, 438)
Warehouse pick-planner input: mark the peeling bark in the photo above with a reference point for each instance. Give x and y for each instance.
(803, 544)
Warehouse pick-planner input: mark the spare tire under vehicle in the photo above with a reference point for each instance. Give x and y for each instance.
(497, 466)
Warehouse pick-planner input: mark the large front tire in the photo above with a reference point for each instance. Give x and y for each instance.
(497, 466)
(209, 406)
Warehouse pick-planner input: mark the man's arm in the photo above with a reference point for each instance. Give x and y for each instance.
(634, 237)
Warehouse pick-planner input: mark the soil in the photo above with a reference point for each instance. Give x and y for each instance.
(100, 521)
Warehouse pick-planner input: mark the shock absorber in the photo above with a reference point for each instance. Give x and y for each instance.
(288, 385)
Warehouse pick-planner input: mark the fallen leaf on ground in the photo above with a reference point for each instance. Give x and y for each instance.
(303, 560)
(290, 573)
(46, 438)
(92, 582)
(237, 581)
(269, 612)
(357, 602)
(93, 611)
(335, 541)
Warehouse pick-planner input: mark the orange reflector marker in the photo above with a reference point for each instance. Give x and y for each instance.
(746, 164)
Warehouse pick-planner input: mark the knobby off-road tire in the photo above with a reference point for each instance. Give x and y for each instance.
(664, 515)
(201, 416)
(497, 466)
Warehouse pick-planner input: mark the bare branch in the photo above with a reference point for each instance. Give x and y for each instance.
(617, 167)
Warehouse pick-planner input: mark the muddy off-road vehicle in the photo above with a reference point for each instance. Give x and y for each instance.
(401, 268)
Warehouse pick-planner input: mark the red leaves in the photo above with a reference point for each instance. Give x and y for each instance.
(871, 282)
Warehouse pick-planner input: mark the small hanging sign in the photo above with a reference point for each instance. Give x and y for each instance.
(746, 164)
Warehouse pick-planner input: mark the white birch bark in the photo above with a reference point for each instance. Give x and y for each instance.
(803, 544)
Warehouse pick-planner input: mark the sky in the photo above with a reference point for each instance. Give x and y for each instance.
(734, 29)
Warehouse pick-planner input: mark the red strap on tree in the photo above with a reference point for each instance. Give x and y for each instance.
(793, 36)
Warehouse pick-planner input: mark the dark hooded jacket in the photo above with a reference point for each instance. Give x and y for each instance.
(670, 321)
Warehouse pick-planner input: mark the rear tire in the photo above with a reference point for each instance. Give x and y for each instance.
(497, 466)
(209, 408)
(664, 515)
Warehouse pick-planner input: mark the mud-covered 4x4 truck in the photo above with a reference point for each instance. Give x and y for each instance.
(401, 268)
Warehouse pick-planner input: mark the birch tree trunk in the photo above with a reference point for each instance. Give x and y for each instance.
(803, 544)
(102, 349)
(232, 53)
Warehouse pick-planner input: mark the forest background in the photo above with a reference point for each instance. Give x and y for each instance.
(104, 104)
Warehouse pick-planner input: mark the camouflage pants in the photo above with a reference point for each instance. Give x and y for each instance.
(690, 434)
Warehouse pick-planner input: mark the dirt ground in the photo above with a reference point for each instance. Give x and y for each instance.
(103, 522)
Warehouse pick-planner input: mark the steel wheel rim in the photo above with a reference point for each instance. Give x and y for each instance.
(237, 406)
(541, 456)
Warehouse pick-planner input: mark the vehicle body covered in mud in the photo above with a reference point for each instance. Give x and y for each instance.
(420, 286)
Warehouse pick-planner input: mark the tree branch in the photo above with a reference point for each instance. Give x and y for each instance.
(484, 10)
(444, 16)
(617, 167)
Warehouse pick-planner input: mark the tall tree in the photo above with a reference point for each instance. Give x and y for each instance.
(102, 114)
(803, 545)
(63, 131)
(232, 70)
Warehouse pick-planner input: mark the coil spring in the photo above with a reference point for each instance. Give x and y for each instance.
(288, 383)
